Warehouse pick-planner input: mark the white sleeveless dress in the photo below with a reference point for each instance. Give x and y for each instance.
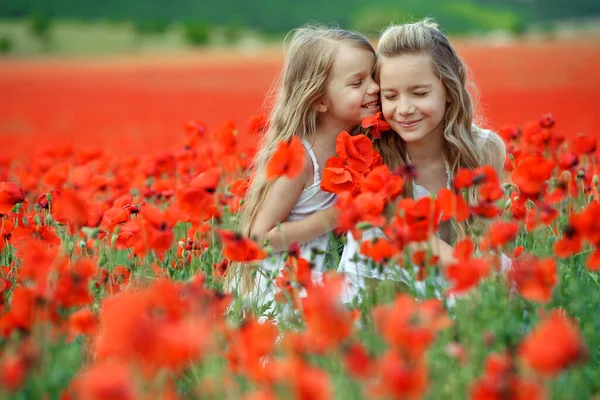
(311, 200)
(356, 267)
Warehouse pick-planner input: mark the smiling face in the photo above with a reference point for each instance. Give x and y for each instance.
(351, 93)
(413, 98)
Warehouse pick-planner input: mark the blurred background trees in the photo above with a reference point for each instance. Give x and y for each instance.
(193, 22)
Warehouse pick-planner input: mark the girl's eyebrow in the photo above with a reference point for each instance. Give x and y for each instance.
(420, 86)
(413, 87)
(355, 76)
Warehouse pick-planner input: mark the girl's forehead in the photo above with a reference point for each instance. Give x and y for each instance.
(405, 68)
(351, 59)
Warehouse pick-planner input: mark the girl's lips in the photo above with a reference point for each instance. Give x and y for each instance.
(409, 124)
(371, 105)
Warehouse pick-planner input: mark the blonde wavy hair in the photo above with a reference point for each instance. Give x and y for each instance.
(309, 58)
(465, 147)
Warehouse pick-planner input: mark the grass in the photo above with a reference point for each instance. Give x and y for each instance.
(82, 38)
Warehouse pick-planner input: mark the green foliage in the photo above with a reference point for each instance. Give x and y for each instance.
(197, 33)
(6, 44)
(372, 21)
(233, 32)
(40, 26)
(154, 27)
(466, 16)
(274, 16)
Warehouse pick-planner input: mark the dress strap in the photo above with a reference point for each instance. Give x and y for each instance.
(314, 161)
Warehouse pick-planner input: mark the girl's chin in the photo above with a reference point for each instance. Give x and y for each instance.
(410, 136)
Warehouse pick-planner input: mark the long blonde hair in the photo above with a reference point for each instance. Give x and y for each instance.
(463, 148)
(309, 58)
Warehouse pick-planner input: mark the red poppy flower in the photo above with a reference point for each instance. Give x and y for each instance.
(500, 233)
(239, 187)
(585, 144)
(399, 378)
(500, 381)
(379, 249)
(555, 344)
(509, 132)
(568, 160)
(409, 326)
(70, 208)
(452, 205)
(13, 371)
(327, 321)
(381, 181)
(102, 380)
(467, 271)
(82, 322)
(258, 124)
(534, 278)
(375, 125)
(288, 160)
(113, 217)
(357, 151)
(357, 361)
(531, 175)
(10, 194)
(249, 346)
(420, 217)
(239, 248)
(338, 177)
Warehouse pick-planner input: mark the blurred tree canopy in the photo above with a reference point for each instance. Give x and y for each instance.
(276, 16)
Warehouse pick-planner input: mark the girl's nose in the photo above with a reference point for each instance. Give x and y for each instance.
(373, 87)
(405, 108)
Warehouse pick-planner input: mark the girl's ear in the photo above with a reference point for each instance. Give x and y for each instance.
(321, 105)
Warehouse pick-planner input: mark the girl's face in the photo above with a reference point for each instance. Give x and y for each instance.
(413, 98)
(352, 93)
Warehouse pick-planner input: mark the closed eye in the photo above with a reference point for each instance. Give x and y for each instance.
(390, 96)
(357, 83)
(421, 94)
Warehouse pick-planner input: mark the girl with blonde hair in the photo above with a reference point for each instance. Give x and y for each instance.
(424, 98)
(326, 86)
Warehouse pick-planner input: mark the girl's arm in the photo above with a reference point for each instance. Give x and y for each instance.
(303, 230)
(270, 222)
(439, 248)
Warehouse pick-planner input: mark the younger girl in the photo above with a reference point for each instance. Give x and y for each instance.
(327, 86)
(425, 100)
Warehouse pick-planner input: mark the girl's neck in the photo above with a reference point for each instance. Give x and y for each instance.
(328, 130)
(428, 150)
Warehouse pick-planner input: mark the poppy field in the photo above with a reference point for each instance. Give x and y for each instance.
(121, 182)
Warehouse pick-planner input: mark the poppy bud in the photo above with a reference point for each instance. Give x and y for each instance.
(595, 180)
(507, 204)
(102, 260)
(363, 225)
(565, 176)
(547, 121)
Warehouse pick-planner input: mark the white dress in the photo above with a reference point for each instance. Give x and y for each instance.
(356, 266)
(311, 200)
